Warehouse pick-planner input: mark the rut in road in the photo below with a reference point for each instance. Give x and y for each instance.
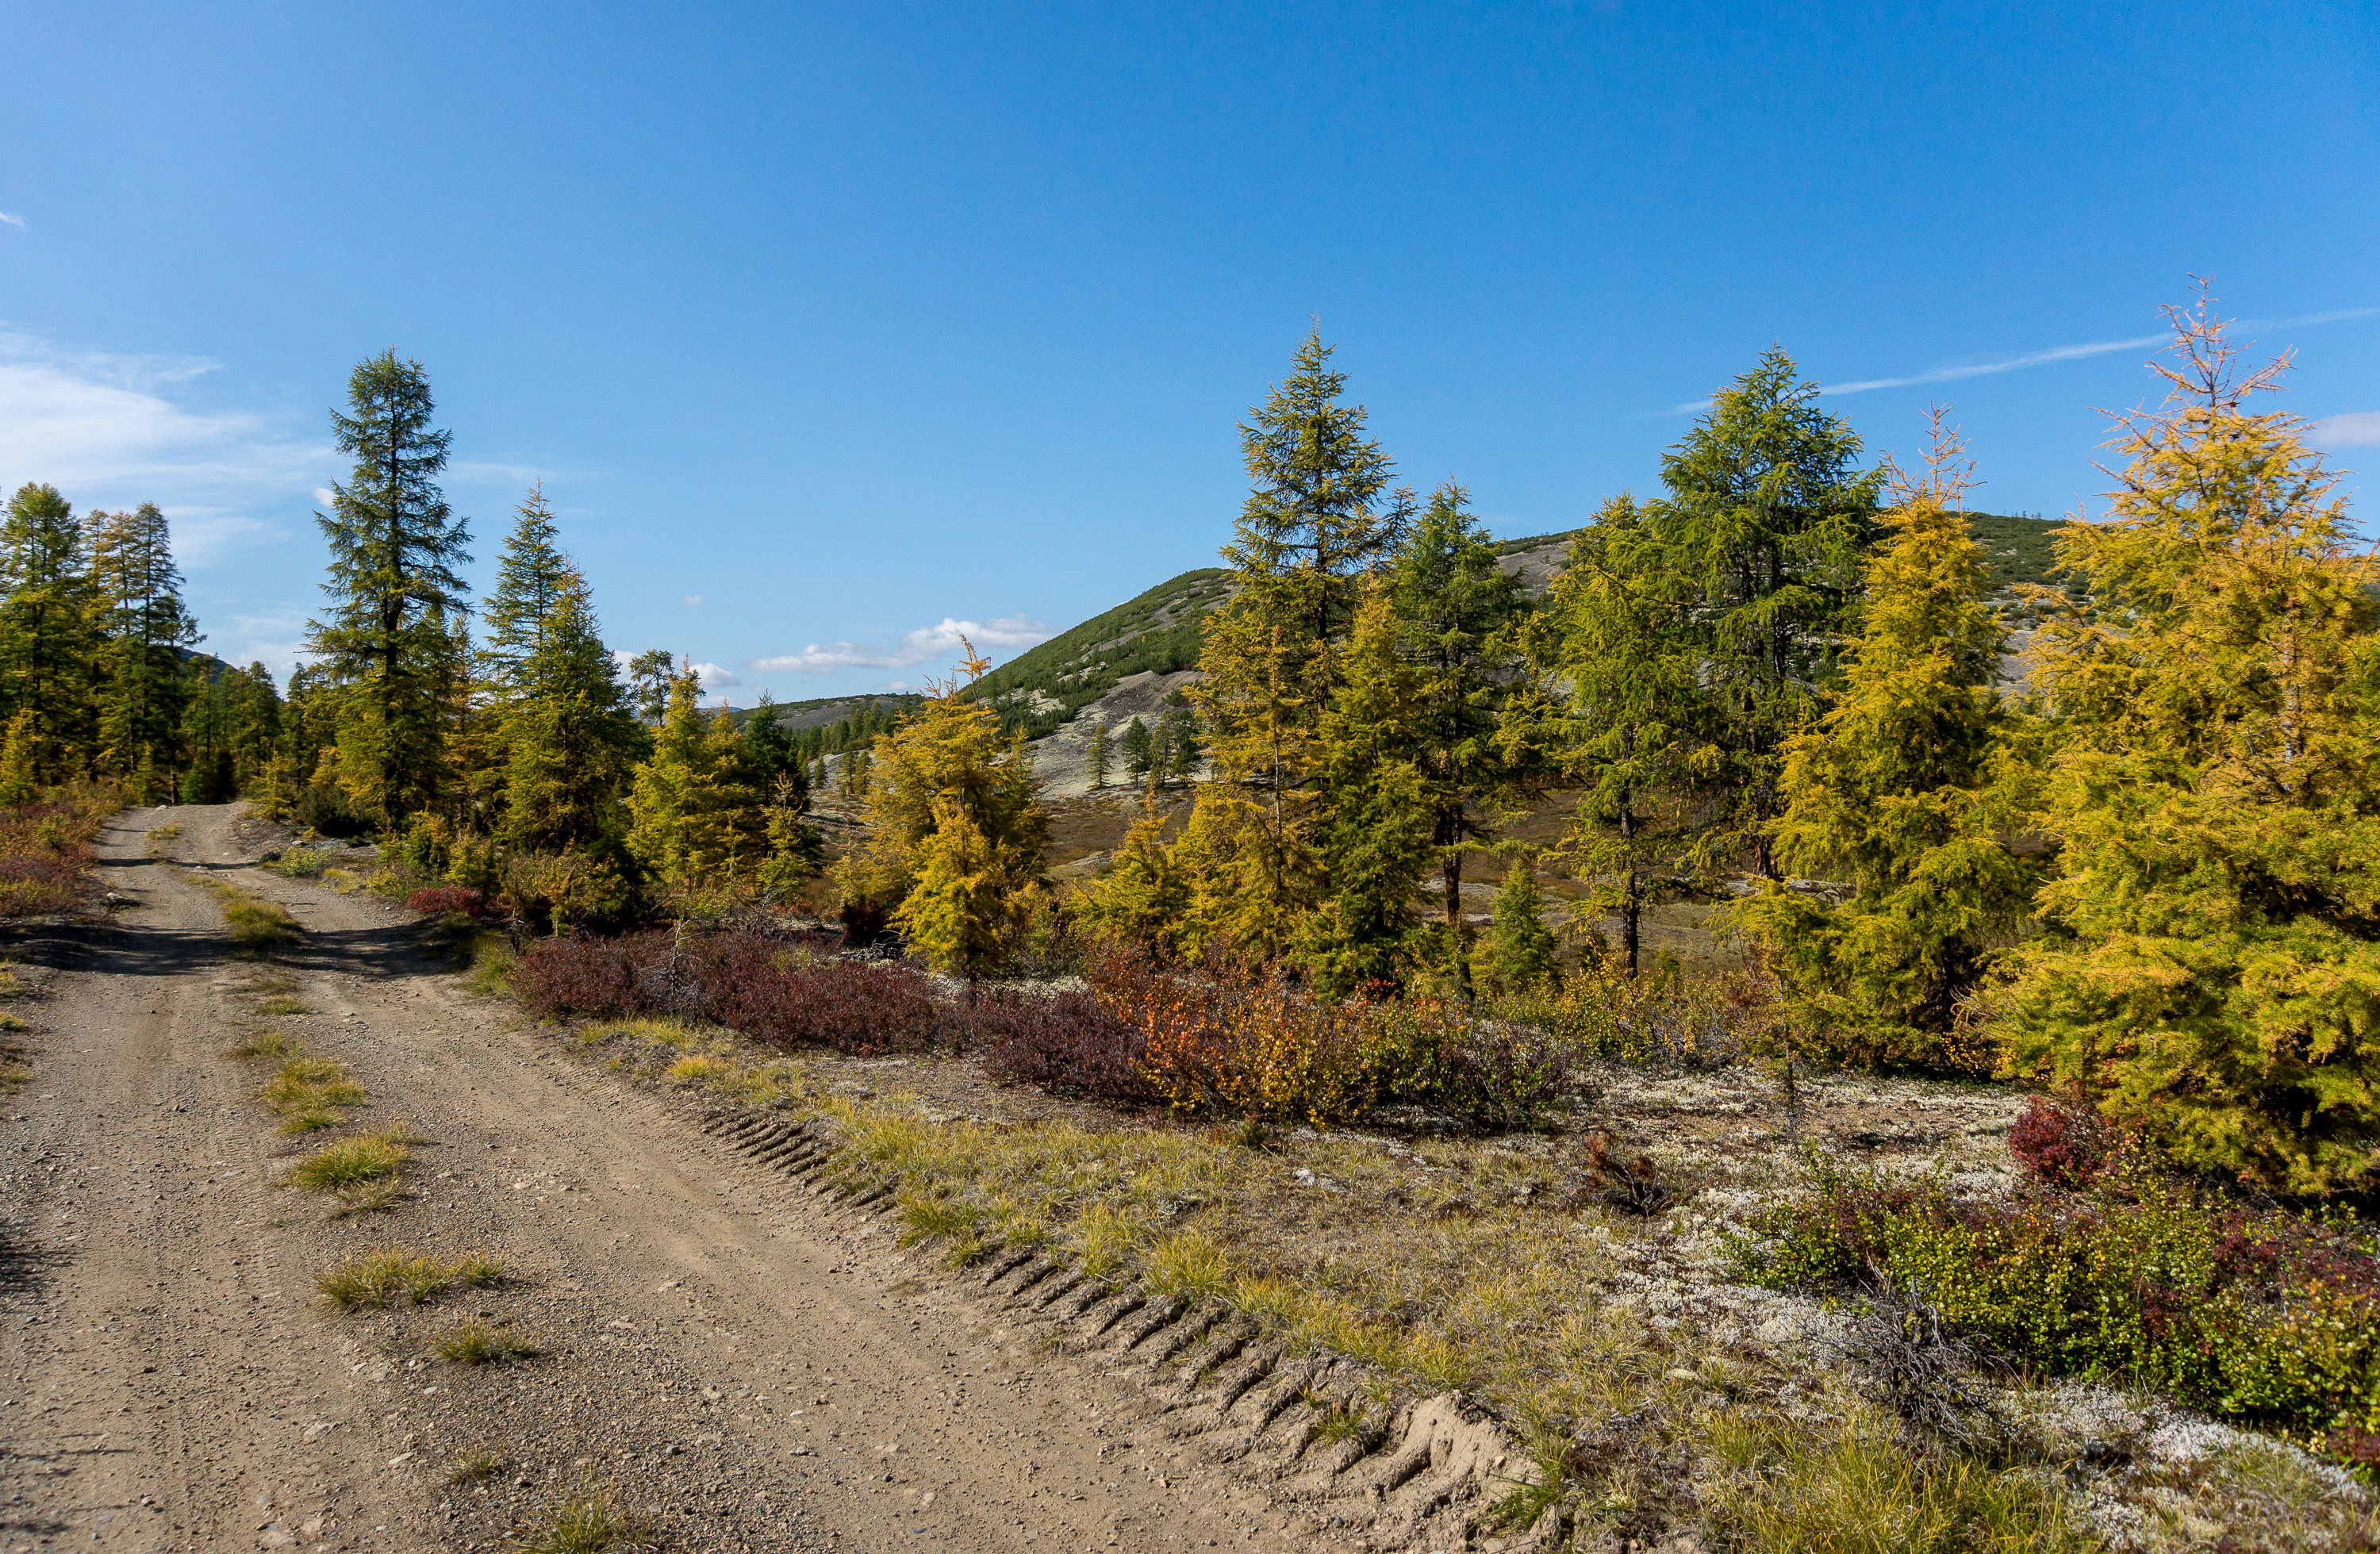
(741, 1366)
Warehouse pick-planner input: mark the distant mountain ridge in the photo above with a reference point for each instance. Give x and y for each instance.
(1158, 630)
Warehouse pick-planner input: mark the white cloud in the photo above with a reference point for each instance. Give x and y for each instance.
(17, 222)
(203, 536)
(105, 427)
(691, 599)
(324, 497)
(2354, 428)
(714, 678)
(276, 639)
(923, 645)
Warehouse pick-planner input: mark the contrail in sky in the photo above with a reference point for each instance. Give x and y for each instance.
(2055, 353)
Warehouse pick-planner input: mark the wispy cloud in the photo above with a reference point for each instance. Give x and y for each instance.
(2353, 428)
(922, 646)
(107, 428)
(2049, 355)
(17, 222)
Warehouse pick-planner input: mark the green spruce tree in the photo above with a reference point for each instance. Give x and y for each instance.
(571, 738)
(1520, 949)
(1098, 753)
(1455, 609)
(528, 580)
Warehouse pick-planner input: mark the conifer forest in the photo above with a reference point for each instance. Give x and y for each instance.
(1403, 858)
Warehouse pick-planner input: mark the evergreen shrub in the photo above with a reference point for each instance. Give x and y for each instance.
(2263, 1316)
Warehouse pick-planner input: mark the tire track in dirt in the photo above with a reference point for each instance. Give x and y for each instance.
(747, 1372)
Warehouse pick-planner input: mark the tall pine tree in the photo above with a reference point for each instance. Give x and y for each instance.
(397, 605)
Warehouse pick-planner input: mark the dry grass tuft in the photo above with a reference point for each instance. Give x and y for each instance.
(475, 1341)
(283, 1004)
(474, 1467)
(256, 924)
(588, 1519)
(375, 1280)
(351, 1162)
(268, 1044)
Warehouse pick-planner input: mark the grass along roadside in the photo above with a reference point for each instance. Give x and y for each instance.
(1496, 1266)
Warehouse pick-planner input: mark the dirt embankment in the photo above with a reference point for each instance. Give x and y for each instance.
(742, 1368)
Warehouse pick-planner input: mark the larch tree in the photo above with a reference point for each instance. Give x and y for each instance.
(955, 830)
(651, 675)
(50, 656)
(1615, 702)
(1454, 608)
(1910, 791)
(529, 579)
(2210, 969)
(697, 807)
(571, 738)
(1320, 516)
(396, 605)
(148, 631)
(1767, 522)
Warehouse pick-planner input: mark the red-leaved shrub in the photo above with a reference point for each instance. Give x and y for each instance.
(756, 983)
(1068, 1041)
(2065, 1145)
(439, 899)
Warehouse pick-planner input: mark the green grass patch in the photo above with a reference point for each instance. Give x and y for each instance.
(297, 863)
(1852, 1486)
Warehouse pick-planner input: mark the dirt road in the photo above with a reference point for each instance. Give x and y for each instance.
(742, 1368)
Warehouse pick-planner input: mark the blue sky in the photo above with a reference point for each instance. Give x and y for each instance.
(828, 329)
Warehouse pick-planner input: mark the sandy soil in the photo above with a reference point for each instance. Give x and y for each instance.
(746, 1368)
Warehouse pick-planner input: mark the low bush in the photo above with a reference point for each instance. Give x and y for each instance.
(2263, 1316)
(1069, 1042)
(297, 863)
(1247, 1042)
(46, 845)
(2063, 1144)
(439, 900)
(1496, 1075)
(773, 989)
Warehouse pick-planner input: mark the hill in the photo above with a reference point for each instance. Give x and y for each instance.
(1158, 630)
